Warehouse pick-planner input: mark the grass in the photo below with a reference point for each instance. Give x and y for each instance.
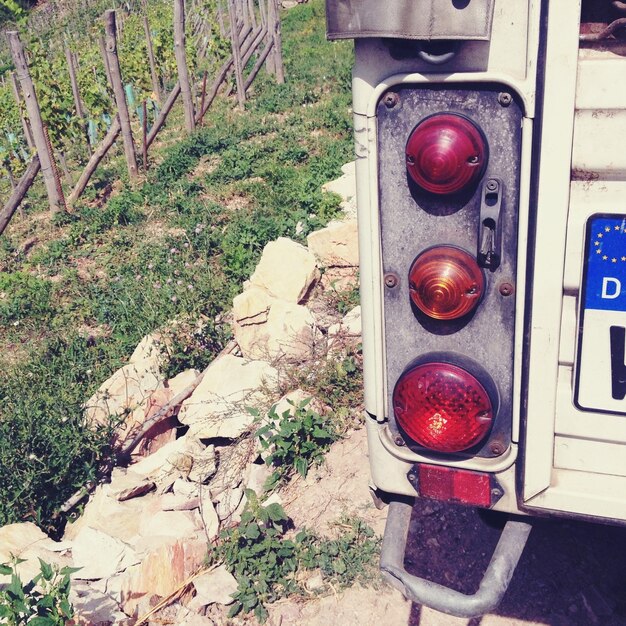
(176, 246)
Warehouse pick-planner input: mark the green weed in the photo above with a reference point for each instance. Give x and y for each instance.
(296, 440)
(268, 565)
(43, 601)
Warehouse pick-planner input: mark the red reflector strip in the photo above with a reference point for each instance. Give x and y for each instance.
(447, 483)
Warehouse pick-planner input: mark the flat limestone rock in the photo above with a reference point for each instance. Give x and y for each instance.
(252, 306)
(336, 245)
(125, 390)
(289, 334)
(175, 524)
(218, 406)
(99, 555)
(213, 587)
(163, 569)
(286, 270)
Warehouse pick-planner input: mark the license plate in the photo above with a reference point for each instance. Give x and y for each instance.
(601, 364)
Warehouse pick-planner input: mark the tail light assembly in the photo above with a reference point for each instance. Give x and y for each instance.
(448, 189)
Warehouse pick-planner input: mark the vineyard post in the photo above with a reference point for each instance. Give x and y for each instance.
(48, 168)
(19, 192)
(72, 71)
(274, 27)
(144, 132)
(105, 60)
(203, 94)
(165, 109)
(153, 73)
(220, 19)
(252, 14)
(263, 9)
(234, 42)
(71, 66)
(9, 170)
(28, 133)
(181, 62)
(118, 91)
(96, 157)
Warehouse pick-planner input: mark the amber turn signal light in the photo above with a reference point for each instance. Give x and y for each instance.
(446, 283)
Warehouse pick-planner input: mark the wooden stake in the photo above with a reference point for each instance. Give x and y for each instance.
(181, 62)
(160, 120)
(252, 13)
(203, 95)
(220, 19)
(221, 75)
(28, 133)
(95, 159)
(19, 192)
(66, 171)
(153, 73)
(105, 60)
(34, 114)
(118, 90)
(144, 132)
(7, 165)
(72, 70)
(236, 50)
(258, 64)
(273, 19)
(263, 7)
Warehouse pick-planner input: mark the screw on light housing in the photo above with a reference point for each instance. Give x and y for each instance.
(446, 153)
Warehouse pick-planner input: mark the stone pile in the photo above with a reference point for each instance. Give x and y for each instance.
(143, 536)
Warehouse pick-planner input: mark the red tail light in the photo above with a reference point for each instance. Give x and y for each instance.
(445, 282)
(442, 407)
(446, 153)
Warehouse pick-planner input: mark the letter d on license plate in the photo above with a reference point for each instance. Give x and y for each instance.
(601, 358)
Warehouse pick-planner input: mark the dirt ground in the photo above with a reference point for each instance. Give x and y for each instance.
(570, 573)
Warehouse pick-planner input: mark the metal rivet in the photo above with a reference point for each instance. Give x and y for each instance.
(391, 280)
(391, 99)
(492, 185)
(505, 98)
(496, 448)
(506, 289)
(398, 440)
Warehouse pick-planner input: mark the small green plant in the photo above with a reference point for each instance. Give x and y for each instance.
(344, 300)
(268, 566)
(256, 553)
(349, 558)
(44, 601)
(296, 439)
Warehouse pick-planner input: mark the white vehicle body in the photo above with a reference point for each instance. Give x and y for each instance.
(563, 451)
(562, 459)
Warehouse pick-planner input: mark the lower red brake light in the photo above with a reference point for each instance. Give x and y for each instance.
(442, 407)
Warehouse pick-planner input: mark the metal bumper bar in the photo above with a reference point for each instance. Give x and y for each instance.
(492, 587)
